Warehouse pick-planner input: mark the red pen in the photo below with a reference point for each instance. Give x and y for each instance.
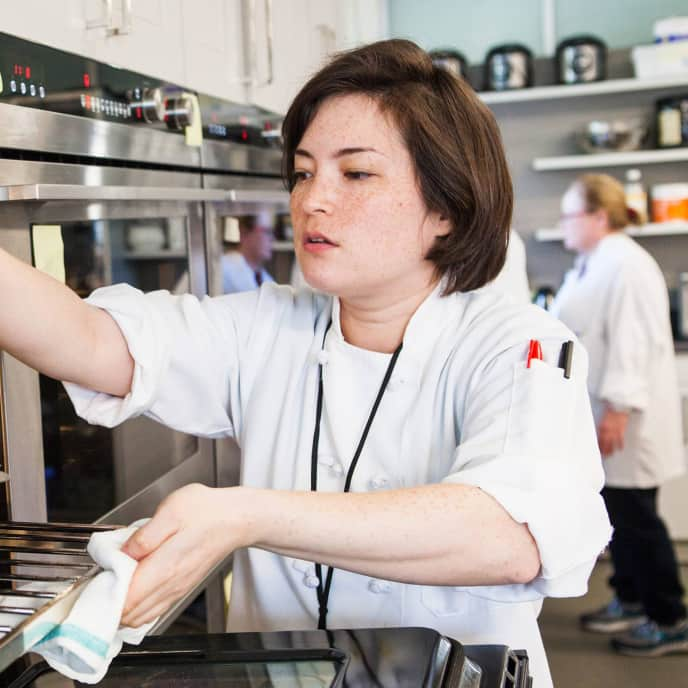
(534, 351)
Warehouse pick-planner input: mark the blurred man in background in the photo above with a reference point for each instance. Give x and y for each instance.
(243, 265)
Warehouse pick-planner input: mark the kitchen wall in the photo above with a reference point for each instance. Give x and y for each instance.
(473, 28)
(545, 126)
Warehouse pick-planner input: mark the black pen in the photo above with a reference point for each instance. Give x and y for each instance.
(565, 357)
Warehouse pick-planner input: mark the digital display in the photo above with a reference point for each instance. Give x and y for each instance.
(217, 129)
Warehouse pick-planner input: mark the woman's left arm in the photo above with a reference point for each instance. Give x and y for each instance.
(421, 535)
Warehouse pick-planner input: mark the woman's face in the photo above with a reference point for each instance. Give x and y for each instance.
(361, 228)
(582, 229)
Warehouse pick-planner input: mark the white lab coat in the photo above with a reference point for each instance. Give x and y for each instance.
(619, 309)
(460, 408)
(238, 275)
(512, 280)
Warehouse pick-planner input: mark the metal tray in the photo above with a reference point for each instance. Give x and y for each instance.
(43, 567)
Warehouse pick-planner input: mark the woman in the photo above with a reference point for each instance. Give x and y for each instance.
(466, 490)
(615, 300)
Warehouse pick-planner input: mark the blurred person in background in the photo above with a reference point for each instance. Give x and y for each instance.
(243, 265)
(615, 299)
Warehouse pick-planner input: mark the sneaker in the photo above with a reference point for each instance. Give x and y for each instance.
(616, 617)
(651, 640)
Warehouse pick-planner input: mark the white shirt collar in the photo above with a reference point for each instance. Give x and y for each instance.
(423, 328)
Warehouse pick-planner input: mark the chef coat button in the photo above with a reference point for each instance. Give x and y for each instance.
(378, 483)
(311, 581)
(337, 468)
(379, 586)
(323, 357)
(326, 460)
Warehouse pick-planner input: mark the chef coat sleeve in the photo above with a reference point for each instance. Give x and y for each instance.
(528, 440)
(186, 354)
(633, 322)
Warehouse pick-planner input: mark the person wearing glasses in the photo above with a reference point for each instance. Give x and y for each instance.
(615, 299)
(404, 461)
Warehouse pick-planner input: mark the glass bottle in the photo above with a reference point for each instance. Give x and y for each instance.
(636, 194)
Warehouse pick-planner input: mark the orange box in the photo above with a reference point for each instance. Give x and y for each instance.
(669, 202)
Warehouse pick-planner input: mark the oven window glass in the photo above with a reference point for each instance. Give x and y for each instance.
(283, 674)
(90, 469)
(257, 246)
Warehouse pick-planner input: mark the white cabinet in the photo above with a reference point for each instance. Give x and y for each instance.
(152, 42)
(206, 45)
(672, 495)
(212, 45)
(59, 23)
(305, 33)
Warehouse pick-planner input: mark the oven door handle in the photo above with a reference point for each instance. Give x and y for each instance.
(257, 196)
(80, 192)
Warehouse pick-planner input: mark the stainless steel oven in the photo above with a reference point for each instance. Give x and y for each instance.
(102, 181)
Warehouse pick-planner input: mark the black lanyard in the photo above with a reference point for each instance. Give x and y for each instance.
(324, 593)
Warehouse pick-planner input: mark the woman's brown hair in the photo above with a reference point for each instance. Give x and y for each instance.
(452, 138)
(602, 192)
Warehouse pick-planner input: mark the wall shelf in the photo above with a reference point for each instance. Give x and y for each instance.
(654, 229)
(641, 157)
(575, 90)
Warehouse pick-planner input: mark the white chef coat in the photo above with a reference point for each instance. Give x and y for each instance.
(460, 408)
(512, 280)
(616, 302)
(238, 275)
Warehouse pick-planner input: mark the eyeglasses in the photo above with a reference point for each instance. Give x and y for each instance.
(567, 217)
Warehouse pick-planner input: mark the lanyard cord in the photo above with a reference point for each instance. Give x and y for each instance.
(323, 593)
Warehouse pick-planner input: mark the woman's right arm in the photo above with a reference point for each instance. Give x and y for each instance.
(46, 325)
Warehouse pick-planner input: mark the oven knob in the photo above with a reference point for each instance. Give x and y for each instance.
(152, 105)
(179, 112)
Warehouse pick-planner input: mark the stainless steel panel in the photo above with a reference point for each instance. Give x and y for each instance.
(14, 172)
(20, 406)
(239, 158)
(199, 468)
(262, 196)
(232, 182)
(31, 129)
(78, 192)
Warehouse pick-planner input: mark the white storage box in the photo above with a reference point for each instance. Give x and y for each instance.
(662, 59)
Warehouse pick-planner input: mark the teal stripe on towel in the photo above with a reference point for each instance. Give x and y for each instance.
(92, 643)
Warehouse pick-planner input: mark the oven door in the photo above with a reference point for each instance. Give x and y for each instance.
(150, 236)
(263, 202)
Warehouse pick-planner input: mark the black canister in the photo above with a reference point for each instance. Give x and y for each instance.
(451, 60)
(508, 67)
(672, 121)
(581, 59)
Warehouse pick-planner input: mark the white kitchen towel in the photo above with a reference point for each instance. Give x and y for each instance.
(84, 644)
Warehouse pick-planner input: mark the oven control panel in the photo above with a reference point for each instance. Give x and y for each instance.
(38, 76)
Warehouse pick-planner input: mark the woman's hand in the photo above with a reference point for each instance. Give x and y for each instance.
(192, 531)
(611, 431)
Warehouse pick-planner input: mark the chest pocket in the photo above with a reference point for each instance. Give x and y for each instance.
(540, 411)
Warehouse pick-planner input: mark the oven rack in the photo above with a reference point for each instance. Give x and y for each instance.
(43, 567)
